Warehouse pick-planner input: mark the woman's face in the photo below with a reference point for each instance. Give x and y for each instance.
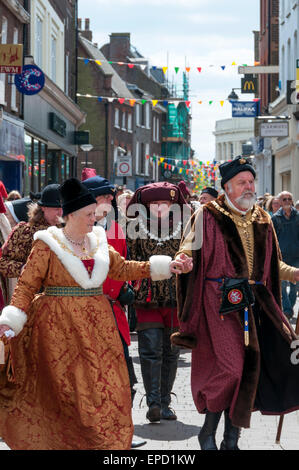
(275, 205)
(160, 209)
(83, 219)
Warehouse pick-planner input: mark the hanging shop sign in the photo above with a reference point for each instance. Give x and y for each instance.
(249, 84)
(31, 81)
(124, 166)
(245, 108)
(274, 129)
(11, 58)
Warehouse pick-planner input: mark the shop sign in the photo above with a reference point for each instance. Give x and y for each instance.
(249, 84)
(57, 124)
(31, 81)
(12, 140)
(245, 108)
(11, 58)
(274, 129)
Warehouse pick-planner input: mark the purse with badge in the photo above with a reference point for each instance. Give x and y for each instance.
(236, 295)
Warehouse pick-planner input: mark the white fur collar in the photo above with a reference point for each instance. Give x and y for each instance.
(72, 263)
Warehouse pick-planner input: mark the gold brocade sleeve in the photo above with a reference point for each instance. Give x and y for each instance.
(123, 270)
(32, 276)
(287, 273)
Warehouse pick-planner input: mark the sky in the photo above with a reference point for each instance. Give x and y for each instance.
(192, 33)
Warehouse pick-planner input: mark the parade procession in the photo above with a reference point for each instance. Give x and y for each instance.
(149, 230)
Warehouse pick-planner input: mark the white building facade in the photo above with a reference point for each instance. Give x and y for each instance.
(285, 150)
(230, 135)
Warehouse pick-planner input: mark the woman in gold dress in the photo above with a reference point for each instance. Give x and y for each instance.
(65, 383)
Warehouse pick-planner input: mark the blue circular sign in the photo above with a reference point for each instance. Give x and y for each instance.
(31, 81)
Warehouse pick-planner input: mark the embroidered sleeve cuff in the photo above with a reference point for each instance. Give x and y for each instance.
(13, 317)
(160, 267)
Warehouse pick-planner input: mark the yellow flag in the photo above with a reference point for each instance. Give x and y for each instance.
(98, 62)
(222, 103)
(164, 69)
(234, 63)
(132, 102)
(162, 159)
(154, 102)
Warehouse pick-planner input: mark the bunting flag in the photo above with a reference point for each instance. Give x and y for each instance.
(198, 68)
(154, 102)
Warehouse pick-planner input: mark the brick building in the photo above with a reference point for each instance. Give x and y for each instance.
(269, 51)
(110, 122)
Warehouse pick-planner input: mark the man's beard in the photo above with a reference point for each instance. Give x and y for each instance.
(245, 201)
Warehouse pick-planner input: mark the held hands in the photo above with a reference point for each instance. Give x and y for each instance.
(183, 264)
(6, 329)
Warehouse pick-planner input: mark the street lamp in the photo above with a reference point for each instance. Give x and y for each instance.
(86, 148)
(233, 96)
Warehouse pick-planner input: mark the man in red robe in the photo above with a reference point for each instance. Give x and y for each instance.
(241, 361)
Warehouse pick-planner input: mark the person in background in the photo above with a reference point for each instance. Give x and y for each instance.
(3, 191)
(207, 195)
(13, 195)
(6, 285)
(17, 210)
(155, 302)
(297, 205)
(106, 210)
(286, 224)
(41, 215)
(272, 205)
(122, 203)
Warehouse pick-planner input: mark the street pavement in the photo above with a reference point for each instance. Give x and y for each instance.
(182, 434)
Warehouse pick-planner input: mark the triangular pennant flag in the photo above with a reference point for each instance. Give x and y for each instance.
(154, 102)
(147, 157)
(223, 67)
(142, 66)
(143, 101)
(234, 63)
(222, 103)
(165, 103)
(121, 100)
(110, 100)
(162, 160)
(187, 103)
(199, 69)
(98, 62)
(164, 69)
(100, 98)
(86, 61)
(176, 69)
(210, 102)
(132, 102)
(200, 102)
(120, 63)
(131, 66)
(187, 69)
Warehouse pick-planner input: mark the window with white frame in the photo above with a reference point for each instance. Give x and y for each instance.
(137, 159)
(116, 117)
(123, 121)
(48, 41)
(3, 40)
(13, 87)
(157, 130)
(129, 122)
(147, 116)
(147, 150)
(137, 113)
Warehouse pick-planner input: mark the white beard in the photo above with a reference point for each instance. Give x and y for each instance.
(246, 203)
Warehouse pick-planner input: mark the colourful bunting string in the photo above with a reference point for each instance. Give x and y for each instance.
(164, 68)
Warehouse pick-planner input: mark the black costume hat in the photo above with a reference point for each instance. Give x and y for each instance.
(50, 196)
(210, 191)
(99, 186)
(230, 169)
(19, 209)
(75, 196)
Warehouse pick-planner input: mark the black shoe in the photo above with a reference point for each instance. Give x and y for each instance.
(207, 434)
(154, 413)
(231, 434)
(136, 444)
(168, 413)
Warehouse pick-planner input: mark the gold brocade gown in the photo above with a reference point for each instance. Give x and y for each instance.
(66, 385)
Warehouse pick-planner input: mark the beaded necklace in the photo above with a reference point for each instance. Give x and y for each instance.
(161, 240)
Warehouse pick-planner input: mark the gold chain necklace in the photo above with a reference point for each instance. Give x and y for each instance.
(237, 222)
(66, 248)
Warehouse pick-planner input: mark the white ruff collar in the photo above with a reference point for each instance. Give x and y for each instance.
(57, 242)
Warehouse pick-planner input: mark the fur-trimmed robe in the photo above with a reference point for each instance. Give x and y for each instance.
(225, 373)
(66, 385)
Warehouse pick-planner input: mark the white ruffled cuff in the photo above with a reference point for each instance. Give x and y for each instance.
(13, 317)
(160, 267)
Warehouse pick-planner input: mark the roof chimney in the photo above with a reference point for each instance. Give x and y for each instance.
(87, 33)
